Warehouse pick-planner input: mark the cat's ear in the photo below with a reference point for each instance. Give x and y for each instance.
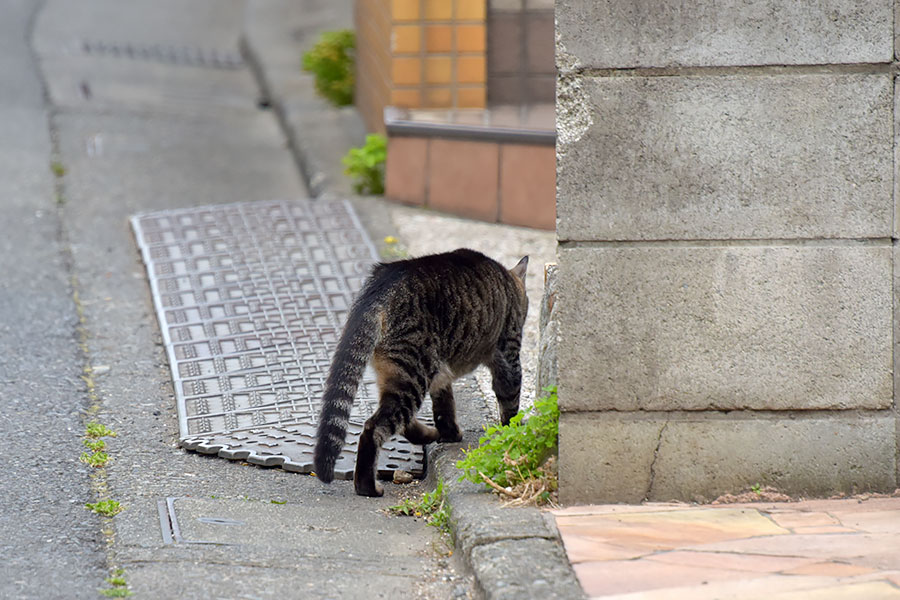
(520, 268)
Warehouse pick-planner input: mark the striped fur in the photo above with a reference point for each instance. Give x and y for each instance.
(422, 323)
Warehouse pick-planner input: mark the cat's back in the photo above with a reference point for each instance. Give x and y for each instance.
(449, 295)
(453, 272)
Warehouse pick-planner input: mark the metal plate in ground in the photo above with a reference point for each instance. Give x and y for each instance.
(251, 298)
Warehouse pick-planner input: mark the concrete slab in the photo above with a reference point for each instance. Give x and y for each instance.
(694, 33)
(725, 327)
(733, 157)
(699, 456)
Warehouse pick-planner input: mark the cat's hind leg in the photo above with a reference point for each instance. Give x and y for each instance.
(400, 398)
(445, 413)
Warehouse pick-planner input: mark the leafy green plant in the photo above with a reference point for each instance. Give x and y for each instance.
(96, 430)
(107, 508)
(95, 459)
(331, 60)
(119, 587)
(366, 164)
(58, 169)
(94, 445)
(756, 489)
(432, 506)
(518, 454)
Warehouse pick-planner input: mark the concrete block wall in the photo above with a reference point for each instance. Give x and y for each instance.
(726, 218)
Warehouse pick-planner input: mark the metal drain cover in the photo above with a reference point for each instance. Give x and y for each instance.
(176, 55)
(251, 298)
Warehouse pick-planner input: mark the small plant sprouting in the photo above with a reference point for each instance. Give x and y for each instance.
(94, 445)
(95, 459)
(366, 164)
(432, 506)
(517, 460)
(58, 169)
(756, 488)
(96, 430)
(119, 587)
(107, 508)
(331, 60)
(278, 501)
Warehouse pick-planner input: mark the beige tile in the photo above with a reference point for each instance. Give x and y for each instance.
(823, 529)
(871, 590)
(587, 548)
(406, 98)
(405, 10)
(406, 71)
(470, 10)
(471, 97)
(622, 577)
(829, 569)
(406, 39)
(876, 521)
(438, 69)
(792, 519)
(755, 563)
(470, 38)
(438, 38)
(441, 97)
(470, 69)
(866, 549)
(463, 178)
(674, 529)
(438, 10)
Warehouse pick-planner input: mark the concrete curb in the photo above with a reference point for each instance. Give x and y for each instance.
(318, 134)
(513, 553)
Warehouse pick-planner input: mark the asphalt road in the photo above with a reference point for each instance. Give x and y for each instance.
(135, 133)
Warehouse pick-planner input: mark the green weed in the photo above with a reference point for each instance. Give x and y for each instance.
(94, 445)
(432, 506)
(119, 587)
(517, 460)
(107, 508)
(58, 169)
(96, 430)
(94, 459)
(331, 60)
(366, 164)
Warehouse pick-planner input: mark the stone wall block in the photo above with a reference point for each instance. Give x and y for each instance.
(743, 156)
(652, 327)
(605, 459)
(805, 456)
(628, 457)
(650, 33)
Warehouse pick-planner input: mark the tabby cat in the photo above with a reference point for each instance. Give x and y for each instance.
(422, 323)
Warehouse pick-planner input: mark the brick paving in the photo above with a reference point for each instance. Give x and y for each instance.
(814, 549)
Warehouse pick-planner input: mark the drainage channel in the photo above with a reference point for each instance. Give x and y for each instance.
(251, 299)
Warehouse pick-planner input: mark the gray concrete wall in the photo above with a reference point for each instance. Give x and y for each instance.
(726, 220)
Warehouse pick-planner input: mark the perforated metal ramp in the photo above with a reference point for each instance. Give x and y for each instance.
(251, 299)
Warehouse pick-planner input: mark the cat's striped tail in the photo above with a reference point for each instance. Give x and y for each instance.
(361, 333)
